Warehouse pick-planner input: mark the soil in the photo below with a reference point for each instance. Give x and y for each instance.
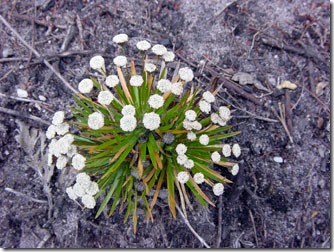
(270, 204)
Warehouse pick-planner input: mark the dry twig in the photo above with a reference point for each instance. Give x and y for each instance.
(22, 115)
(25, 196)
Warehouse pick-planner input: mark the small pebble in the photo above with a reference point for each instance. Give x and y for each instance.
(6, 152)
(22, 93)
(7, 52)
(42, 98)
(278, 159)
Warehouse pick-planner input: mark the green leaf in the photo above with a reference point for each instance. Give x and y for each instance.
(170, 188)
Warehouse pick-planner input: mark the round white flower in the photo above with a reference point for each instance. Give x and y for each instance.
(149, 67)
(78, 190)
(215, 156)
(226, 150)
(235, 169)
(215, 118)
(204, 139)
(189, 164)
(204, 106)
(86, 86)
(92, 189)
(186, 74)
(221, 122)
(105, 97)
(191, 136)
(190, 115)
(95, 120)
(199, 178)
(236, 150)
(128, 110)
(143, 45)
(128, 123)
(136, 81)
(63, 145)
(72, 150)
(187, 124)
(151, 121)
(97, 63)
(68, 138)
(78, 161)
(181, 159)
(58, 118)
(61, 162)
(177, 88)
(196, 125)
(55, 148)
(159, 49)
(181, 149)
(83, 179)
(71, 194)
(183, 177)
(51, 132)
(88, 201)
(208, 96)
(168, 56)
(112, 81)
(218, 189)
(156, 101)
(62, 129)
(224, 113)
(120, 38)
(164, 86)
(120, 61)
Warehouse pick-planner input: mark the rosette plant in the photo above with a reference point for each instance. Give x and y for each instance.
(139, 132)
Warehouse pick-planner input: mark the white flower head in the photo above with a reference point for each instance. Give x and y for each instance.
(204, 106)
(85, 86)
(215, 157)
(112, 81)
(92, 189)
(51, 132)
(78, 161)
(177, 88)
(151, 121)
(105, 97)
(61, 162)
(218, 189)
(97, 63)
(79, 190)
(128, 110)
(156, 101)
(221, 122)
(181, 149)
(62, 128)
(128, 123)
(226, 150)
(204, 139)
(168, 56)
(189, 164)
(61, 146)
(143, 45)
(236, 150)
(181, 159)
(183, 177)
(58, 118)
(208, 96)
(186, 74)
(120, 61)
(196, 125)
(190, 115)
(215, 118)
(120, 38)
(71, 194)
(191, 136)
(72, 150)
(136, 81)
(88, 201)
(235, 169)
(68, 138)
(199, 178)
(187, 124)
(164, 86)
(159, 49)
(95, 120)
(83, 179)
(224, 113)
(149, 67)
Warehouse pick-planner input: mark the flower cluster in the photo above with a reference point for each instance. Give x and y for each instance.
(139, 131)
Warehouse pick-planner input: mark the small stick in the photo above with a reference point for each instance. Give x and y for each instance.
(191, 228)
(23, 115)
(254, 228)
(25, 196)
(288, 111)
(79, 25)
(220, 221)
(24, 99)
(38, 55)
